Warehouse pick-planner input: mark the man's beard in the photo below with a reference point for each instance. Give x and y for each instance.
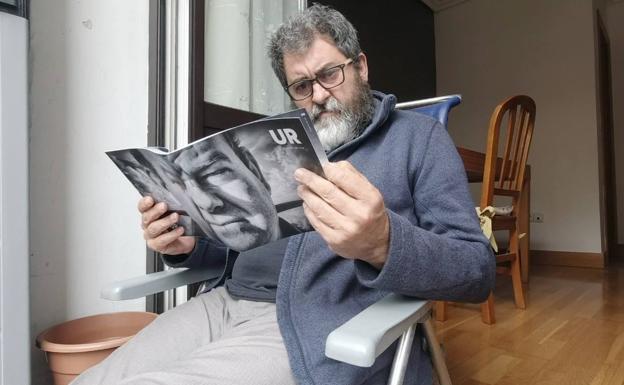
(349, 119)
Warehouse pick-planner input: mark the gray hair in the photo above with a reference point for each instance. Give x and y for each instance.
(297, 34)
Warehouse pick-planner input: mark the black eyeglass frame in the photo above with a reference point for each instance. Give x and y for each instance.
(316, 79)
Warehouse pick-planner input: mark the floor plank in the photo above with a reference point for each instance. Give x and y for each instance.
(572, 332)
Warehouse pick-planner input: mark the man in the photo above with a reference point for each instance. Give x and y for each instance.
(392, 215)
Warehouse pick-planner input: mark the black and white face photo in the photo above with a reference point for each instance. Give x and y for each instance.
(229, 194)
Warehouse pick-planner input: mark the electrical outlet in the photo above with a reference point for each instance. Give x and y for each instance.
(537, 217)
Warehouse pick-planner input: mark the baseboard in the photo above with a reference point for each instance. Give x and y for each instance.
(567, 258)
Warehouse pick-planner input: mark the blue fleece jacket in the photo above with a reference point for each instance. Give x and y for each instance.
(437, 250)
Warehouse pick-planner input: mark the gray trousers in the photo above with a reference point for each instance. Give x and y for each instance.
(212, 339)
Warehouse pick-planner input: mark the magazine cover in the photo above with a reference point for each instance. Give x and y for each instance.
(235, 187)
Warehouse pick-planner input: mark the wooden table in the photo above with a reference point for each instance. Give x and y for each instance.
(473, 163)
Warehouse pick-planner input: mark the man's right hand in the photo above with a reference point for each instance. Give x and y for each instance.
(156, 230)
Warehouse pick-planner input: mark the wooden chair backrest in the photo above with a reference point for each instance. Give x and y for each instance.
(511, 124)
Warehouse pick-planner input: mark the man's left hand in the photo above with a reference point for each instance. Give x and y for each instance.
(347, 211)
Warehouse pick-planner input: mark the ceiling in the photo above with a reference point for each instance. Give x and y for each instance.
(438, 5)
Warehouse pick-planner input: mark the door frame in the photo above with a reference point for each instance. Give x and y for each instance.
(606, 150)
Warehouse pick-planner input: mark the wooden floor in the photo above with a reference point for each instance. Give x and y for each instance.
(572, 332)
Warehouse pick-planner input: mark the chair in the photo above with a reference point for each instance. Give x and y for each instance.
(511, 128)
(363, 338)
(438, 107)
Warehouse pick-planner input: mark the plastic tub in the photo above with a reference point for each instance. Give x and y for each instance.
(74, 346)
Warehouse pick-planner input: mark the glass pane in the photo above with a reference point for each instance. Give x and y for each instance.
(9, 2)
(237, 72)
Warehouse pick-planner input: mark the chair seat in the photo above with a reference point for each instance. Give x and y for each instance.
(504, 222)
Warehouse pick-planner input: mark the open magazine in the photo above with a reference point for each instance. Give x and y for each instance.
(235, 187)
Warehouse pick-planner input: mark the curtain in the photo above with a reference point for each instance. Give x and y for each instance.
(237, 72)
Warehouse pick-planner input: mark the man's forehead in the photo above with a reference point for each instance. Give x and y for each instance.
(318, 55)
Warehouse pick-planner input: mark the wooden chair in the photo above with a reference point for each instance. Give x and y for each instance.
(511, 129)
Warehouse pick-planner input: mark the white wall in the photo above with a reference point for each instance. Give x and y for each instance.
(489, 50)
(14, 311)
(89, 86)
(615, 28)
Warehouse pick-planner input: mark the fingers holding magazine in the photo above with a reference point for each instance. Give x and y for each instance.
(162, 232)
(348, 211)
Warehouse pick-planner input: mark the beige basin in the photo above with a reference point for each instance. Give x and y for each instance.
(73, 346)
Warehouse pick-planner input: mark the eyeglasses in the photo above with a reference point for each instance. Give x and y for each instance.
(328, 78)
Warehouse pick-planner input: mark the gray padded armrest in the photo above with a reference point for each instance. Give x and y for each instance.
(364, 337)
(148, 284)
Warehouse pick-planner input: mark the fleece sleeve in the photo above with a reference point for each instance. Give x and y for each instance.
(205, 255)
(444, 256)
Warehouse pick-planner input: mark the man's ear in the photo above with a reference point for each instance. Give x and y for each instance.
(363, 66)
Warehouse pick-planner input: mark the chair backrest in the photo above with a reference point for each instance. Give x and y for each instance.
(437, 107)
(511, 125)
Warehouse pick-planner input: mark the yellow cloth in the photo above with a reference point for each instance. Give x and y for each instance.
(485, 220)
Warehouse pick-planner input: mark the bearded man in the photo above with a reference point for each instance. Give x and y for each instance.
(392, 215)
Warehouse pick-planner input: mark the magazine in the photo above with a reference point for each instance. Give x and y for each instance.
(235, 187)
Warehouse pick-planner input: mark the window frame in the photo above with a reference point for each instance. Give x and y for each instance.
(19, 9)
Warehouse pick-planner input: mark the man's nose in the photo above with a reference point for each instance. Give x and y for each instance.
(319, 94)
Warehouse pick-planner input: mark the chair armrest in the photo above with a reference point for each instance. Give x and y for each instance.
(364, 337)
(451, 100)
(148, 284)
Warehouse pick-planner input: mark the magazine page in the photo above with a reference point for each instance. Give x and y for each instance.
(153, 175)
(235, 187)
(308, 126)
